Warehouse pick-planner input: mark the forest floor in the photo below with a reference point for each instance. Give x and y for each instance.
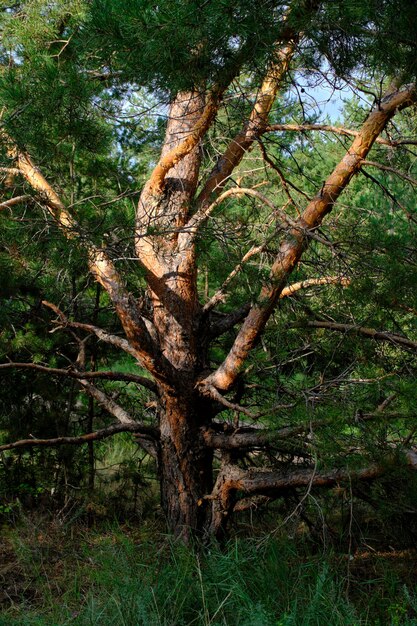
(54, 573)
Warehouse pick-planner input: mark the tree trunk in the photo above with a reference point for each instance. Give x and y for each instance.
(185, 466)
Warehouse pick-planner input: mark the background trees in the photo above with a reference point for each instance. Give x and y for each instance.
(188, 242)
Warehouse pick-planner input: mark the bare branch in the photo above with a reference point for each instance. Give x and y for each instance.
(220, 294)
(13, 201)
(397, 340)
(107, 403)
(258, 119)
(200, 217)
(232, 480)
(392, 170)
(250, 437)
(100, 265)
(103, 335)
(216, 395)
(13, 171)
(337, 130)
(71, 373)
(134, 427)
(253, 481)
(310, 282)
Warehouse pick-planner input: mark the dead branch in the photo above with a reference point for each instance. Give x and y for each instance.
(250, 437)
(135, 427)
(103, 335)
(71, 373)
(107, 403)
(392, 170)
(397, 340)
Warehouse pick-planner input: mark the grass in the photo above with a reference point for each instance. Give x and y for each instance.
(124, 577)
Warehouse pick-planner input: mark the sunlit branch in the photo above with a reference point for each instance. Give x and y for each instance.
(311, 282)
(258, 119)
(7, 204)
(100, 265)
(294, 245)
(337, 130)
(175, 155)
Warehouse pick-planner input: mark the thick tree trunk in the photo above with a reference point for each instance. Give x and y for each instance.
(185, 465)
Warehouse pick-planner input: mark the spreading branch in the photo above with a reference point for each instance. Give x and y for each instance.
(7, 204)
(256, 124)
(233, 480)
(294, 245)
(100, 265)
(115, 340)
(110, 405)
(312, 282)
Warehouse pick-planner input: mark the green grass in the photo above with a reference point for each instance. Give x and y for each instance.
(120, 577)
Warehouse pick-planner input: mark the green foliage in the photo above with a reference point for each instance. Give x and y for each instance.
(113, 578)
(151, 44)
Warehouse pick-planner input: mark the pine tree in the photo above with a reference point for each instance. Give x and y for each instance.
(80, 83)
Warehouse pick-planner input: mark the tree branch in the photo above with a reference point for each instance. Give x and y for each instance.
(70, 373)
(156, 181)
(337, 130)
(13, 201)
(294, 245)
(397, 340)
(107, 403)
(100, 265)
(148, 431)
(256, 124)
(310, 282)
(115, 340)
(232, 480)
(392, 170)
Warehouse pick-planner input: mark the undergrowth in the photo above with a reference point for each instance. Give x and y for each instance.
(119, 576)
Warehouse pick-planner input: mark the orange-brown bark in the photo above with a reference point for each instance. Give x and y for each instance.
(256, 124)
(100, 264)
(295, 243)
